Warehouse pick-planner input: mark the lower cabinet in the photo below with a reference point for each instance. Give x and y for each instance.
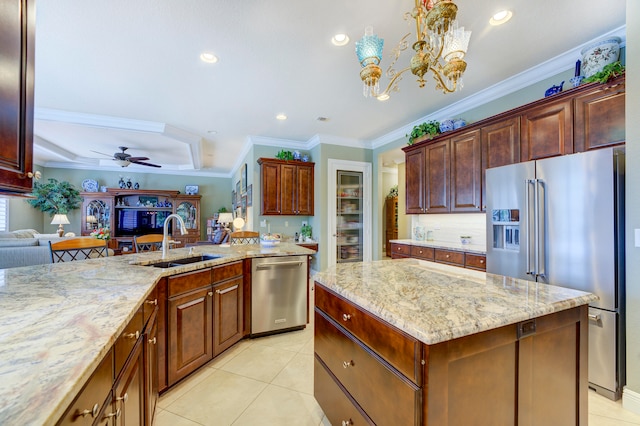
(130, 390)
(228, 311)
(497, 377)
(450, 257)
(150, 342)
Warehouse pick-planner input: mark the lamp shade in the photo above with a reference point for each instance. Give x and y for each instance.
(369, 48)
(60, 219)
(238, 223)
(225, 218)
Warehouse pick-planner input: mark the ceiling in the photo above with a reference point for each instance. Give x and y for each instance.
(122, 73)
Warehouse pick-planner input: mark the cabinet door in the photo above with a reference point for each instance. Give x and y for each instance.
(228, 314)
(150, 342)
(437, 172)
(17, 21)
(600, 117)
(189, 210)
(270, 188)
(547, 131)
(288, 189)
(129, 390)
(305, 190)
(190, 333)
(415, 181)
(465, 172)
(500, 146)
(96, 213)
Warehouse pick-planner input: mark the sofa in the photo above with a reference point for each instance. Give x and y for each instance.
(25, 247)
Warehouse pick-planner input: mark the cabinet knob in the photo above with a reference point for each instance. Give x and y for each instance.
(152, 302)
(132, 335)
(115, 414)
(153, 341)
(447, 256)
(346, 317)
(481, 260)
(347, 422)
(420, 252)
(93, 411)
(347, 364)
(124, 398)
(210, 293)
(35, 174)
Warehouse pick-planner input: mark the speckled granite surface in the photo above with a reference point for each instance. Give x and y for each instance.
(58, 321)
(435, 303)
(467, 248)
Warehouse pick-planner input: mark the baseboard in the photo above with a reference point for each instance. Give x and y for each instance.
(631, 400)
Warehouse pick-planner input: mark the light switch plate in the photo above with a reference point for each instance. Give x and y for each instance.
(637, 242)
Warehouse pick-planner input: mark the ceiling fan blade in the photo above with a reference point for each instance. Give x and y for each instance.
(102, 153)
(134, 159)
(142, 163)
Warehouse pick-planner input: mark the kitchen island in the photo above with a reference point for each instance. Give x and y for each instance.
(415, 342)
(58, 322)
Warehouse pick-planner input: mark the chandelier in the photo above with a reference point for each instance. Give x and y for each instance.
(440, 48)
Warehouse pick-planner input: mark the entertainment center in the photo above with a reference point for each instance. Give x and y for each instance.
(130, 212)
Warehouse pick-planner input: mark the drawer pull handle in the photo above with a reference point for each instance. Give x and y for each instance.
(93, 411)
(116, 414)
(132, 335)
(347, 364)
(346, 317)
(227, 290)
(152, 302)
(153, 341)
(124, 398)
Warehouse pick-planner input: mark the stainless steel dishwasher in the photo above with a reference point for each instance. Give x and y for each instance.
(278, 294)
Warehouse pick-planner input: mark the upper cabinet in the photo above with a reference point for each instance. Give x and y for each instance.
(188, 208)
(17, 21)
(447, 173)
(287, 187)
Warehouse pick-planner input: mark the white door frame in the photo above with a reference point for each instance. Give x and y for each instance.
(352, 166)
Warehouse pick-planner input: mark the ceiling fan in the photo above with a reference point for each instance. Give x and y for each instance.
(123, 159)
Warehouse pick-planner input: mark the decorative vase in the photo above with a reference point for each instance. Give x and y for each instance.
(577, 80)
(446, 126)
(554, 89)
(459, 122)
(296, 155)
(305, 158)
(597, 55)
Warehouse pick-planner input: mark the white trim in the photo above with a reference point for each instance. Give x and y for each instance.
(356, 166)
(94, 120)
(631, 400)
(4, 214)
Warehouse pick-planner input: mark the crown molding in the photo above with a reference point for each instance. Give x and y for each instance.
(94, 120)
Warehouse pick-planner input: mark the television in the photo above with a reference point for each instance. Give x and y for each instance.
(132, 222)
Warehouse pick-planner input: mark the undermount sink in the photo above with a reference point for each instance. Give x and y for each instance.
(184, 261)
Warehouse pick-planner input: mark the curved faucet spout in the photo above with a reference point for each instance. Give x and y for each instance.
(165, 234)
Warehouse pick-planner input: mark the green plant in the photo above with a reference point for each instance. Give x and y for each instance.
(55, 197)
(222, 210)
(284, 155)
(393, 192)
(305, 231)
(608, 72)
(430, 128)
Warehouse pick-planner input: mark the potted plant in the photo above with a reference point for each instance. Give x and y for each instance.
(609, 72)
(55, 197)
(284, 155)
(305, 231)
(428, 128)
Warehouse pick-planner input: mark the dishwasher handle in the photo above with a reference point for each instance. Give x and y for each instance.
(268, 265)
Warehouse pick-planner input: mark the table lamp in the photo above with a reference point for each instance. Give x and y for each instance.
(238, 224)
(225, 219)
(60, 219)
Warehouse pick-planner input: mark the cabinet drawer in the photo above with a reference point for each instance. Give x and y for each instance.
(450, 257)
(475, 261)
(150, 304)
(400, 250)
(385, 395)
(222, 273)
(183, 283)
(424, 253)
(399, 349)
(127, 340)
(87, 406)
(336, 404)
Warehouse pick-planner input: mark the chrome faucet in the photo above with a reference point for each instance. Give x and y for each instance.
(165, 236)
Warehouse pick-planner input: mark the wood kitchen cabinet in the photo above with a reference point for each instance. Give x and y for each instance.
(599, 118)
(391, 222)
(16, 97)
(228, 314)
(438, 172)
(129, 390)
(287, 187)
(547, 130)
(150, 342)
(500, 146)
(188, 208)
(415, 181)
(466, 172)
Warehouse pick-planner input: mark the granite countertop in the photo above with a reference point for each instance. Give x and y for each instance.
(58, 321)
(435, 303)
(467, 248)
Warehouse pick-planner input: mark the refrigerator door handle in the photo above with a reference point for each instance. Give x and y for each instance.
(539, 228)
(527, 219)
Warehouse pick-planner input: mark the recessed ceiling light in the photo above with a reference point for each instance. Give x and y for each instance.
(209, 58)
(500, 17)
(382, 97)
(212, 132)
(322, 118)
(340, 39)
(281, 116)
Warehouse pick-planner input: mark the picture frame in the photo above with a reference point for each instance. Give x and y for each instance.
(243, 206)
(238, 212)
(238, 193)
(250, 195)
(233, 200)
(243, 179)
(191, 189)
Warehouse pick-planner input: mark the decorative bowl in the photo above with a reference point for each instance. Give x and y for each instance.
(459, 122)
(553, 90)
(269, 243)
(446, 126)
(597, 55)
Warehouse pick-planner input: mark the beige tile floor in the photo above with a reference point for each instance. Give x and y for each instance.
(269, 381)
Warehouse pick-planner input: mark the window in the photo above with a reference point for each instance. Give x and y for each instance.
(4, 214)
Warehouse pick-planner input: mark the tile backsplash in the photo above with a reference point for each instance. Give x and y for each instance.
(449, 227)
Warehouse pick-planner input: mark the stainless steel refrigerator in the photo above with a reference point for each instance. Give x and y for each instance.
(561, 221)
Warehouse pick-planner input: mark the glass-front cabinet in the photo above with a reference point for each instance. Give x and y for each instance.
(349, 220)
(97, 212)
(188, 208)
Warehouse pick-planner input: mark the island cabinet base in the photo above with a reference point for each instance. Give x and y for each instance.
(529, 373)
